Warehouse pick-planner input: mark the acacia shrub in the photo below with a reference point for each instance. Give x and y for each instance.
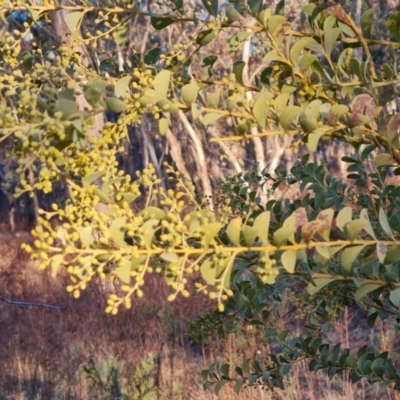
(335, 247)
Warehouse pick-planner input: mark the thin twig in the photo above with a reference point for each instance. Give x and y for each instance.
(23, 304)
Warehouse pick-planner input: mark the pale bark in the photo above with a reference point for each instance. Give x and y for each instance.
(176, 154)
(201, 157)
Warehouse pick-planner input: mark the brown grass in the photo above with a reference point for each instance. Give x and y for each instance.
(144, 352)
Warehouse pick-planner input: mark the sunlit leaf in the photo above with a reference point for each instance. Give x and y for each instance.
(330, 38)
(368, 226)
(189, 93)
(385, 223)
(73, 20)
(309, 230)
(288, 115)
(363, 290)
(115, 105)
(319, 284)
(261, 225)
(123, 270)
(395, 297)
(208, 271)
(117, 231)
(325, 217)
(349, 255)
(211, 232)
(233, 230)
(381, 250)
(161, 83)
(122, 86)
(288, 260)
(353, 228)
(344, 217)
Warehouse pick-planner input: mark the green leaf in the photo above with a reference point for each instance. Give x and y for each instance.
(353, 228)
(260, 110)
(349, 255)
(325, 217)
(344, 217)
(211, 6)
(239, 384)
(372, 319)
(152, 56)
(282, 235)
(149, 227)
(207, 65)
(115, 105)
(123, 270)
(179, 5)
(368, 227)
(261, 225)
(381, 250)
(330, 39)
(210, 119)
(309, 230)
(288, 115)
(288, 260)
(66, 107)
(196, 111)
(236, 40)
(285, 369)
(117, 231)
(89, 179)
(86, 236)
(55, 264)
(233, 230)
(382, 160)
(167, 106)
(295, 51)
(120, 34)
(393, 24)
(232, 14)
(307, 61)
(163, 125)
(238, 68)
(211, 232)
(153, 212)
(122, 86)
(206, 37)
(73, 19)
(171, 257)
(161, 83)
(274, 22)
(189, 93)
(161, 22)
(213, 98)
(313, 140)
(102, 196)
(393, 256)
(319, 284)
(218, 386)
(385, 223)
(272, 56)
(395, 297)
(363, 290)
(208, 271)
(249, 235)
(366, 22)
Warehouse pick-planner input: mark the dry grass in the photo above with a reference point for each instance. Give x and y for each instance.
(143, 353)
